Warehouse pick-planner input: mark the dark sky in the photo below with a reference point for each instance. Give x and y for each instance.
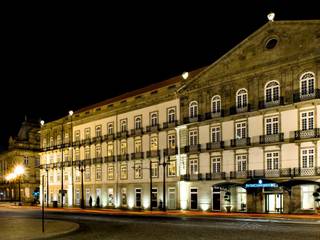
(57, 58)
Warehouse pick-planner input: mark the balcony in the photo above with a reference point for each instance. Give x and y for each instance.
(299, 97)
(192, 148)
(215, 145)
(235, 110)
(153, 153)
(264, 104)
(240, 142)
(153, 128)
(216, 176)
(137, 155)
(87, 161)
(170, 151)
(97, 160)
(185, 177)
(272, 138)
(170, 124)
(97, 139)
(197, 118)
(109, 159)
(305, 134)
(123, 134)
(211, 115)
(108, 137)
(123, 157)
(239, 174)
(86, 141)
(137, 132)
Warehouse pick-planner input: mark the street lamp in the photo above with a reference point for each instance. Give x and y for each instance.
(10, 177)
(19, 171)
(164, 164)
(81, 169)
(71, 137)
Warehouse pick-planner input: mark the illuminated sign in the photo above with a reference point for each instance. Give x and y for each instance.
(260, 184)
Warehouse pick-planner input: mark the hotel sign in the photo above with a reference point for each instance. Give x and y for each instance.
(260, 184)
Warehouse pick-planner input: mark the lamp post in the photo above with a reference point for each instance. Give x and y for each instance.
(81, 169)
(164, 164)
(71, 137)
(47, 171)
(18, 171)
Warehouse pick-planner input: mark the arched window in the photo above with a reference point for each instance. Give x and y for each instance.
(242, 98)
(307, 84)
(154, 119)
(193, 109)
(171, 115)
(138, 123)
(216, 104)
(272, 91)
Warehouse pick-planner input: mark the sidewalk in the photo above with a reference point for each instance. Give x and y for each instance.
(31, 229)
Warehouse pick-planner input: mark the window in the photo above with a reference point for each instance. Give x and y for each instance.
(59, 141)
(307, 84)
(138, 123)
(171, 141)
(172, 168)
(216, 164)
(242, 98)
(193, 166)
(307, 120)
(272, 159)
(193, 137)
(271, 125)
(242, 163)
(110, 172)
(216, 104)
(272, 91)
(154, 143)
(123, 171)
(123, 125)
(77, 175)
(26, 160)
(137, 145)
(123, 147)
(110, 128)
(98, 131)
(87, 153)
(154, 119)
(77, 154)
(307, 158)
(171, 115)
(193, 109)
(87, 133)
(215, 134)
(98, 151)
(137, 170)
(98, 173)
(154, 169)
(241, 130)
(88, 173)
(110, 149)
(77, 135)
(66, 137)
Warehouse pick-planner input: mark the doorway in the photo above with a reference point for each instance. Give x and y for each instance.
(216, 200)
(172, 198)
(274, 202)
(194, 198)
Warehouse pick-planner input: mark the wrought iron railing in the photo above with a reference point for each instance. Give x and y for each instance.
(272, 138)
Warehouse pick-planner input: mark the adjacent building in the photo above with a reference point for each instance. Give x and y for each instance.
(239, 135)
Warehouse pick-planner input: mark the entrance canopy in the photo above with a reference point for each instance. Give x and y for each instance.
(294, 182)
(260, 183)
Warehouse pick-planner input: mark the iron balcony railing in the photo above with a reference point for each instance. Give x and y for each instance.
(153, 153)
(215, 145)
(215, 176)
(299, 96)
(240, 142)
(170, 151)
(153, 128)
(170, 124)
(192, 148)
(137, 155)
(272, 138)
(211, 115)
(109, 137)
(266, 104)
(304, 134)
(193, 119)
(123, 134)
(109, 159)
(137, 132)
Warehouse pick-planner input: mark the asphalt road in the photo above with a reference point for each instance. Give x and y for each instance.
(98, 227)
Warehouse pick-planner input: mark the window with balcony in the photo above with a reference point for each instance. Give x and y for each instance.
(241, 130)
(98, 151)
(216, 104)
(307, 84)
(123, 171)
(77, 154)
(123, 125)
(98, 131)
(193, 163)
(272, 91)
(171, 115)
(88, 173)
(271, 125)
(87, 153)
(110, 128)
(87, 134)
(98, 173)
(242, 163)
(77, 175)
(171, 141)
(154, 169)
(216, 164)
(215, 134)
(307, 158)
(110, 149)
(272, 160)
(138, 123)
(138, 170)
(154, 119)
(307, 120)
(123, 147)
(193, 109)
(193, 137)
(110, 172)
(172, 168)
(138, 145)
(242, 98)
(154, 143)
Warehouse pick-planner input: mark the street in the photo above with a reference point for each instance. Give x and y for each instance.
(97, 226)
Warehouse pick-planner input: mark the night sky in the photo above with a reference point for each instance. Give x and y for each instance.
(57, 58)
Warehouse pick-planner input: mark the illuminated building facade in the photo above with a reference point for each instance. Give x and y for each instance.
(241, 134)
